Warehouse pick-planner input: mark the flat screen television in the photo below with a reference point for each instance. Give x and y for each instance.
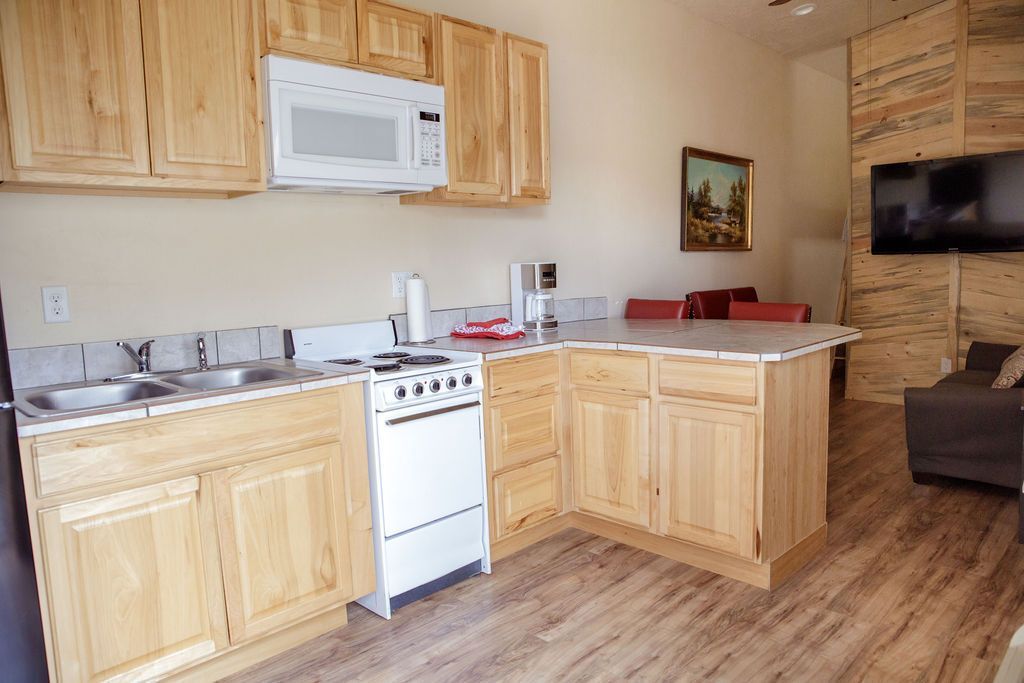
(968, 204)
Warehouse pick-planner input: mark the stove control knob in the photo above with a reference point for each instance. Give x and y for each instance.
(417, 389)
(400, 392)
(467, 379)
(435, 386)
(452, 383)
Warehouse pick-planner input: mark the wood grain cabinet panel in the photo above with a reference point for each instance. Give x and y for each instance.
(284, 539)
(323, 29)
(473, 74)
(611, 456)
(75, 89)
(203, 89)
(129, 581)
(609, 371)
(529, 146)
(527, 495)
(718, 381)
(522, 431)
(522, 375)
(707, 478)
(396, 38)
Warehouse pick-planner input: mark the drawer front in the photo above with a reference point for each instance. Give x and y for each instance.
(526, 495)
(522, 431)
(609, 371)
(709, 381)
(78, 460)
(522, 375)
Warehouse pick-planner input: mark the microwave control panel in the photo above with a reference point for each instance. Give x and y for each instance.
(430, 138)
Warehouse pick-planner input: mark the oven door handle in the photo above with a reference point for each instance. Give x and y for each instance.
(430, 413)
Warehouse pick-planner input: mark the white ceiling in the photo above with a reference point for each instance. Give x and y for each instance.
(827, 27)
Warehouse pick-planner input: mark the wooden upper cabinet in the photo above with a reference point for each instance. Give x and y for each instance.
(611, 456)
(284, 539)
(473, 75)
(203, 89)
(75, 90)
(322, 29)
(396, 38)
(529, 146)
(133, 582)
(708, 470)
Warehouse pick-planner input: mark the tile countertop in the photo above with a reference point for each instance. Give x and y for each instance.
(726, 339)
(331, 376)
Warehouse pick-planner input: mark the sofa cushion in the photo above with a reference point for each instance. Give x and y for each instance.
(981, 378)
(1012, 372)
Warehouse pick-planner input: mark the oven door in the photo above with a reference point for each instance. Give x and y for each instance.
(431, 461)
(324, 133)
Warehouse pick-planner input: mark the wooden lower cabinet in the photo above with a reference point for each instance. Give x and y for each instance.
(611, 455)
(522, 431)
(707, 478)
(133, 582)
(526, 496)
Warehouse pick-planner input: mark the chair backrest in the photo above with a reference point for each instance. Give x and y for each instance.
(713, 304)
(657, 309)
(783, 313)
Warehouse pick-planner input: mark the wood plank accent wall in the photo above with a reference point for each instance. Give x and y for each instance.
(945, 81)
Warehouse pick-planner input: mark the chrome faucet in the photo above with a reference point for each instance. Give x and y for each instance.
(204, 362)
(140, 357)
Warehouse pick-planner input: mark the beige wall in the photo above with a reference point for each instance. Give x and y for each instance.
(631, 84)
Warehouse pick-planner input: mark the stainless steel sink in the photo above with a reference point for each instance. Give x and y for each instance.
(98, 396)
(236, 376)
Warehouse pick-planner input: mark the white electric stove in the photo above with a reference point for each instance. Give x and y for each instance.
(424, 425)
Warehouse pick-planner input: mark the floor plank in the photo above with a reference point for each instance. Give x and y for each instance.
(916, 583)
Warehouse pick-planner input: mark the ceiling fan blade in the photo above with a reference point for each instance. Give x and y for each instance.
(776, 3)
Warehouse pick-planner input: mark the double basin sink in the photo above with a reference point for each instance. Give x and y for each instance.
(143, 386)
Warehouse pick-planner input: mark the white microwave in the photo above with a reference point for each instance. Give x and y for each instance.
(340, 130)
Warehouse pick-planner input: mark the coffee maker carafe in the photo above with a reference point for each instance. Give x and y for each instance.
(533, 304)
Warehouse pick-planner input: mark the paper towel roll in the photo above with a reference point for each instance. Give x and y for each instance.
(417, 309)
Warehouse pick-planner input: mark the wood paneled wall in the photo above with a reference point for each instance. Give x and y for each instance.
(945, 81)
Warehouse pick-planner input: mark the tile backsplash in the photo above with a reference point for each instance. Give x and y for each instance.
(443, 321)
(45, 365)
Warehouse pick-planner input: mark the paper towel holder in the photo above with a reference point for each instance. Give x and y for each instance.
(426, 303)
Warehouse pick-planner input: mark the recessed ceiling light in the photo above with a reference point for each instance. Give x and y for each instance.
(801, 10)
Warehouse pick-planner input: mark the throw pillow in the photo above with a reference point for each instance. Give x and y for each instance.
(1012, 371)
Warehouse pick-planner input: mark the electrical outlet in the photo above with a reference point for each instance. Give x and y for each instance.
(398, 284)
(946, 365)
(55, 305)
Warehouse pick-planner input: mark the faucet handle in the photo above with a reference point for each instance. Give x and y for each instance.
(144, 348)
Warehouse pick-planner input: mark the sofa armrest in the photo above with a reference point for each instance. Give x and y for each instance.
(988, 357)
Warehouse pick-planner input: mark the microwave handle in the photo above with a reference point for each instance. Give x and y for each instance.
(414, 118)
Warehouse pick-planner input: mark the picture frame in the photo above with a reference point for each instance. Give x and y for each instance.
(717, 211)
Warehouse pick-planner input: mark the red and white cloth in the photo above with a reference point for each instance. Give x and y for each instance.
(499, 328)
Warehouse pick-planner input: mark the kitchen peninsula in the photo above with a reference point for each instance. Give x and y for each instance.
(701, 440)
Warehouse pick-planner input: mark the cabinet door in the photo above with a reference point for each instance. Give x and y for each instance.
(707, 478)
(202, 86)
(529, 148)
(324, 29)
(526, 495)
(473, 74)
(284, 539)
(611, 456)
(396, 38)
(522, 430)
(75, 90)
(133, 582)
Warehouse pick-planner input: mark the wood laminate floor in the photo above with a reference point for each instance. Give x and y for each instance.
(916, 584)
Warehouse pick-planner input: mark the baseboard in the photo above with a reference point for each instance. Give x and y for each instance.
(527, 537)
(794, 559)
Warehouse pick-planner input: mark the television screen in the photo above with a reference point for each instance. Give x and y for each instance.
(969, 204)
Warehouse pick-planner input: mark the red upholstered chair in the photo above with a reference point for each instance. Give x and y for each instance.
(783, 313)
(664, 309)
(713, 304)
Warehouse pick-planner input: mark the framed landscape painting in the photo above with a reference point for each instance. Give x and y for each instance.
(717, 189)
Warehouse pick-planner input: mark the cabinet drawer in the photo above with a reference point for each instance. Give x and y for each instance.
(526, 495)
(709, 381)
(77, 460)
(522, 375)
(609, 371)
(523, 430)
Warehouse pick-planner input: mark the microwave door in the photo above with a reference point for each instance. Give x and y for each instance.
(324, 133)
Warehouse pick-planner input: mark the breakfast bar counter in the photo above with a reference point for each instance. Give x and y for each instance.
(701, 440)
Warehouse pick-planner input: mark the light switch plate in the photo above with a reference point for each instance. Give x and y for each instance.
(946, 365)
(398, 284)
(55, 304)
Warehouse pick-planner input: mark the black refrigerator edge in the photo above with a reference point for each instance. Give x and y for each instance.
(22, 653)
